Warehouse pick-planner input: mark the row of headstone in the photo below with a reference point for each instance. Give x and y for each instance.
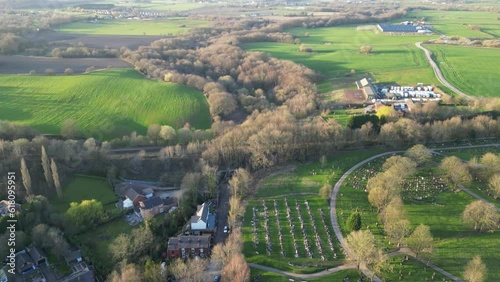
(329, 236)
(316, 235)
(254, 227)
(292, 228)
(303, 229)
(280, 230)
(269, 244)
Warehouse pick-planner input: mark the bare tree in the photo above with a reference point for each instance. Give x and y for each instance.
(419, 154)
(325, 191)
(25, 174)
(365, 49)
(455, 171)
(396, 224)
(494, 185)
(55, 178)
(126, 273)
(236, 270)
(363, 250)
(46, 167)
(167, 133)
(154, 132)
(380, 196)
(475, 271)
(481, 216)
(191, 271)
(421, 241)
(239, 184)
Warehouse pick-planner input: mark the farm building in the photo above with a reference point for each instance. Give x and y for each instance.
(183, 246)
(366, 85)
(402, 28)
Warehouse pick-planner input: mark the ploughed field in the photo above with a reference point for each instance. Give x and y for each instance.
(171, 26)
(105, 104)
(26, 64)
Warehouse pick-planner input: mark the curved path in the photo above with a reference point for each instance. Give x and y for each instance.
(304, 276)
(438, 72)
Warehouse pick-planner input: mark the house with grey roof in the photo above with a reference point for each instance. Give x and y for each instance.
(203, 220)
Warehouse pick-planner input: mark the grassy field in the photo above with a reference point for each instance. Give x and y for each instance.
(456, 243)
(171, 26)
(455, 22)
(400, 269)
(476, 77)
(96, 242)
(105, 104)
(336, 53)
(85, 188)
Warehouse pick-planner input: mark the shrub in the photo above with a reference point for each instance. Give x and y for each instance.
(50, 72)
(354, 222)
(68, 71)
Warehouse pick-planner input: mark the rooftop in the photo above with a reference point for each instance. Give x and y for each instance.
(398, 28)
(151, 202)
(188, 242)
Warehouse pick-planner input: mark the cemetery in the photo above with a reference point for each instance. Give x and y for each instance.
(294, 232)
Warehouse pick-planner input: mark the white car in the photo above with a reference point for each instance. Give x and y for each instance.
(225, 229)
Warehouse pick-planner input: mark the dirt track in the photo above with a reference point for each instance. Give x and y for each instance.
(24, 64)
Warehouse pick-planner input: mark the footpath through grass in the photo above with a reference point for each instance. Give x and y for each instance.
(266, 276)
(105, 104)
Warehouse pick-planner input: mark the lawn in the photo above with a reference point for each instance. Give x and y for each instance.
(105, 104)
(95, 242)
(170, 26)
(85, 188)
(400, 269)
(394, 58)
(477, 77)
(266, 276)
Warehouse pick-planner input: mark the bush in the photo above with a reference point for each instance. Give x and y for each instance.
(32, 72)
(68, 71)
(365, 49)
(354, 222)
(90, 69)
(50, 72)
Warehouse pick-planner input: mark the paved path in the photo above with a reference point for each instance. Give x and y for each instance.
(304, 276)
(438, 72)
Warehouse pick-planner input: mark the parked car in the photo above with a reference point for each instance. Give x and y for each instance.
(217, 278)
(225, 229)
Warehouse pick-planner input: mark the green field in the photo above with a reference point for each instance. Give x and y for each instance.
(455, 22)
(266, 276)
(85, 188)
(472, 70)
(95, 243)
(394, 58)
(172, 26)
(105, 104)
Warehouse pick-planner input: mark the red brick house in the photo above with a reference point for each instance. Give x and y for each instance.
(189, 246)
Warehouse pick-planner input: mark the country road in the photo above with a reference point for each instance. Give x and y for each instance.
(439, 74)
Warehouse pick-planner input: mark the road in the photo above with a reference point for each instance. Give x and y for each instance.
(439, 74)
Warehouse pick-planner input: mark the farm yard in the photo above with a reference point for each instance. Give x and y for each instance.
(170, 26)
(106, 104)
(456, 22)
(477, 78)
